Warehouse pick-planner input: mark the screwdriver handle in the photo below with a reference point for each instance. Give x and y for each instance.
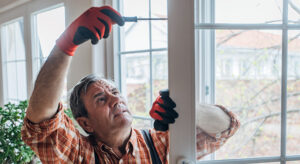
(130, 19)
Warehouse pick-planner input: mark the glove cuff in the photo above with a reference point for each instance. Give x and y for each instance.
(159, 126)
(66, 45)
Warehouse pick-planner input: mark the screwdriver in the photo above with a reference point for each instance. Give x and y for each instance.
(135, 19)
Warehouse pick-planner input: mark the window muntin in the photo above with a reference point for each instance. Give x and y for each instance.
(13, 61)
(143, 56)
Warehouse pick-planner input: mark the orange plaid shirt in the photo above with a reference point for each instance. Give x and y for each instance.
(58, 141)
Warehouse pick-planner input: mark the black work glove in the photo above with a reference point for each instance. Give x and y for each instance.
(163, 111)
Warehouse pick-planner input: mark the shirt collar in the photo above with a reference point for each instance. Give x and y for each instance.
(131, 147)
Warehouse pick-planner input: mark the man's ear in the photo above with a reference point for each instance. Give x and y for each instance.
(85, 123)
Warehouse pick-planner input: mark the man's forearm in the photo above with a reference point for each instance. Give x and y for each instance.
(212, 119)
(48, 86)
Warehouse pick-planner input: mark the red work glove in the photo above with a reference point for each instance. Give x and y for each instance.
(163, 111)
(94, 24)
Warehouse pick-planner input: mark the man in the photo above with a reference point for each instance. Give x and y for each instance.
(102, 112)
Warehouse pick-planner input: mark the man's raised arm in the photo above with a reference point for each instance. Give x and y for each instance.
(94, 24)
(48, 87)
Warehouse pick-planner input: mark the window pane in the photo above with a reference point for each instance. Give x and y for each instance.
(293, 94)
(12, 83)
(248, 11)
(294, 11)
(142, 124)
(21, 80)
(136, 36)
(49, 26)
(248, 73)
(136, 82)
(159, 34)
(138, 8)
(159, 72)
(159, 8)
(13, 41)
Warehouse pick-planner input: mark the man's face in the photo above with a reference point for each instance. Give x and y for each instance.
(107, 109)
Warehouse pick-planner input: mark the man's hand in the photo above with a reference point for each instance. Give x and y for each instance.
(94, 24)
(163, 111)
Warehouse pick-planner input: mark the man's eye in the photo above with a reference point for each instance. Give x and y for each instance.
(101, 99)
(116, 93)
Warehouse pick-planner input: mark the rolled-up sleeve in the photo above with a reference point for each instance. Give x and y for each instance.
(52, 140)
(208, 143)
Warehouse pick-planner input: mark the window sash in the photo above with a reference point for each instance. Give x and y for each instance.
(284, 27)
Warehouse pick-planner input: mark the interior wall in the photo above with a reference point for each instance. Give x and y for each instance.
(6, 5)
(82, 60)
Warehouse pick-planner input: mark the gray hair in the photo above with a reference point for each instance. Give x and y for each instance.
(76, 102)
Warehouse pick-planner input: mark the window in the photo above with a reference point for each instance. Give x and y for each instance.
(260, 37)
(13, 61)
(142, 56)
(48, 25)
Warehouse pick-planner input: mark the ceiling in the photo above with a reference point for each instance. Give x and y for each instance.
(9, 4)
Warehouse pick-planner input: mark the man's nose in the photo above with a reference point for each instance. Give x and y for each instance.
(114, 100)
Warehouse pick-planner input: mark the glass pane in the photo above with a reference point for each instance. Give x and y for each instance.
(294, 11)
(248, 73)
(136, 82)
(142, 124)
(293, 95)
(248, 11)
(293, 162)
(159, 72)
(159, 34)
(130, 8)
(159, 8)
(135, 36)
(11, 83)
(22, 83)
(49, 26)
(13, 41)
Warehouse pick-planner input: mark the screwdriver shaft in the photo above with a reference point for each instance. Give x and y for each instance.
(135, 19)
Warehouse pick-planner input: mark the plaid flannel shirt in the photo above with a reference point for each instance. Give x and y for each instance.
(58, 141)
